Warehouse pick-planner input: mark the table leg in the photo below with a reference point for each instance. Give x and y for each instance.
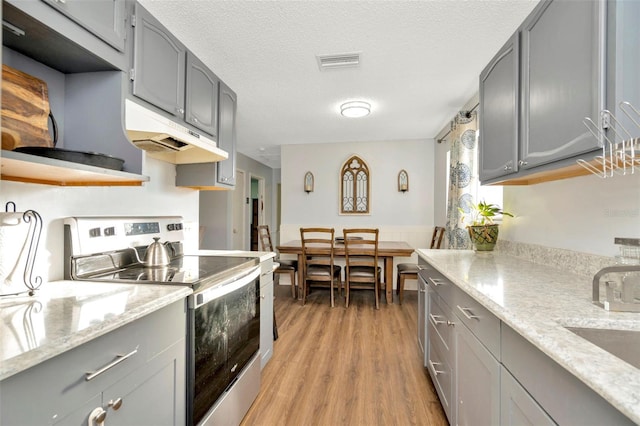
(300, 276)
(388, 278)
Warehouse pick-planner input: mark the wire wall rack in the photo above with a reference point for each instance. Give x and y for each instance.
(620, 148)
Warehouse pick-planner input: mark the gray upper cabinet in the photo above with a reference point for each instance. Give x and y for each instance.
(499, 103)
(158, 64)
(562, 79)
(537, 90)
(227, 136)
(201, 108)
(104, 18)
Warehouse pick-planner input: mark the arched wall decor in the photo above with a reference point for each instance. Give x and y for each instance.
(308, 182)
(355, 194)
(403, 181)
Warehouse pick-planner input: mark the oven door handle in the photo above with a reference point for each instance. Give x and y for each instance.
(233, 284)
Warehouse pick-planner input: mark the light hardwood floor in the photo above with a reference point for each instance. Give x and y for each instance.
(337, 366)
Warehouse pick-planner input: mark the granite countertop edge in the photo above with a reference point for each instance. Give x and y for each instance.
(541, 317)
(155, 297)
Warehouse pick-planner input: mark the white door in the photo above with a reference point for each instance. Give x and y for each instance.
(239, 209)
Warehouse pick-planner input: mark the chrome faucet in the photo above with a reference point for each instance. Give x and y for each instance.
(626, 301)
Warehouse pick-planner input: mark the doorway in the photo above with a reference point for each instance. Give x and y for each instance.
(257, 210)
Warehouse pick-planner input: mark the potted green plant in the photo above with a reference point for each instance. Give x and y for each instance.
(482, 231)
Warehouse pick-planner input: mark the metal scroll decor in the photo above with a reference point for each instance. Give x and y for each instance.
(20, 270)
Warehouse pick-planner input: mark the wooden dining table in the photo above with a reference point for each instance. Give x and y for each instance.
(387, 250)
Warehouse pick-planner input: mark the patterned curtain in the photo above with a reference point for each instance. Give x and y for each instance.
(463, 179)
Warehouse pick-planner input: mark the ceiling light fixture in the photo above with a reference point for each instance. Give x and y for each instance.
(355, 109)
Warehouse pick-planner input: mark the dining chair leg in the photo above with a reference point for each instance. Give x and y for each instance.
(377, 291)
(332, 301)
(400, 288)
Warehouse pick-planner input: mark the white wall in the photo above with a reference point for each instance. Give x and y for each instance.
(157, 197)
(582, 214)
(406, 217)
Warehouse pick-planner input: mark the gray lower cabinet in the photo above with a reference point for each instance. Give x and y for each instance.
(159, 61)
(266, 312)
(500, 106)
(201, 98)
(423, 315)
(477, 381)
(517, 407)
(103, 18)
(565, 398)
(146, 387)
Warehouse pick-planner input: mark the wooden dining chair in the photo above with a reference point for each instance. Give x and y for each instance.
(410, 270)
(319, 268)
(361, 257)
(288, 267)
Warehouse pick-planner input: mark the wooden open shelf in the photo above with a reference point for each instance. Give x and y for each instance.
(19, 167)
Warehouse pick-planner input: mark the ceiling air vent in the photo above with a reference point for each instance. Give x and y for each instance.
(343, 60)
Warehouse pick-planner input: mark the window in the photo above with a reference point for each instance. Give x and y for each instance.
(354, 187)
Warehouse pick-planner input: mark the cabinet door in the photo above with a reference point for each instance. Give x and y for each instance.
(153, 394)
(227, 136)
(423, 314)
(266, 322)
(477, 381)
(562, 79)
(104, 18)
(201, 108)
(499, 109)
(517, 407)
(159, 64)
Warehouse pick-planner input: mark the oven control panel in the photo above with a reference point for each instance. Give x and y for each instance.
(89, 235)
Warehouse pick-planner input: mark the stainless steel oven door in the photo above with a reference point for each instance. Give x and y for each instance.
(224, 335)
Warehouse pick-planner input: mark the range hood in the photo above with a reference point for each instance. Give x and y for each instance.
(168, 140)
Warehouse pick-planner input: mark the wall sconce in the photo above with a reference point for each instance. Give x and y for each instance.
(308, 182)
(403, 181)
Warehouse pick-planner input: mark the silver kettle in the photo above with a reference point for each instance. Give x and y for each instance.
(157, 254)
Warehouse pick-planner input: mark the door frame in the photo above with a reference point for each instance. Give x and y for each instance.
(239, 206)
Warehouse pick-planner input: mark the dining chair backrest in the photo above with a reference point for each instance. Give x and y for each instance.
(361, 247)
(317, 246)
(265, 238)
(436, 238)
(318, 260)
(361, 261)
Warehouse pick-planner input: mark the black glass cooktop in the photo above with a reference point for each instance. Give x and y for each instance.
(192, 271)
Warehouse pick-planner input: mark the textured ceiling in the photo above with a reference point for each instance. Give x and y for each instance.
(420, 62)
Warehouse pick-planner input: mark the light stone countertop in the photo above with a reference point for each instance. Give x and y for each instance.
(65, 314)
(537, 301)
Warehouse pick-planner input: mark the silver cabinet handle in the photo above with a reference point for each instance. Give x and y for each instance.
(507, 168)
(450, 323)
(522, 163)
(180, 110)
(434, 319)
(116, 404)
(436, 281)
(468, 313)
(433, 367)
(90, 375)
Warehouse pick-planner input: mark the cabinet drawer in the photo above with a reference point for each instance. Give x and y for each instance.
(482, 323)
(442, 375)
(440, 318)
(439, 283)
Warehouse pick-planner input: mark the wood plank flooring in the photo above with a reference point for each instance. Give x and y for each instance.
(354, 366)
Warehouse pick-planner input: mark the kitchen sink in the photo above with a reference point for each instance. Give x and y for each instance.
(625, 344)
